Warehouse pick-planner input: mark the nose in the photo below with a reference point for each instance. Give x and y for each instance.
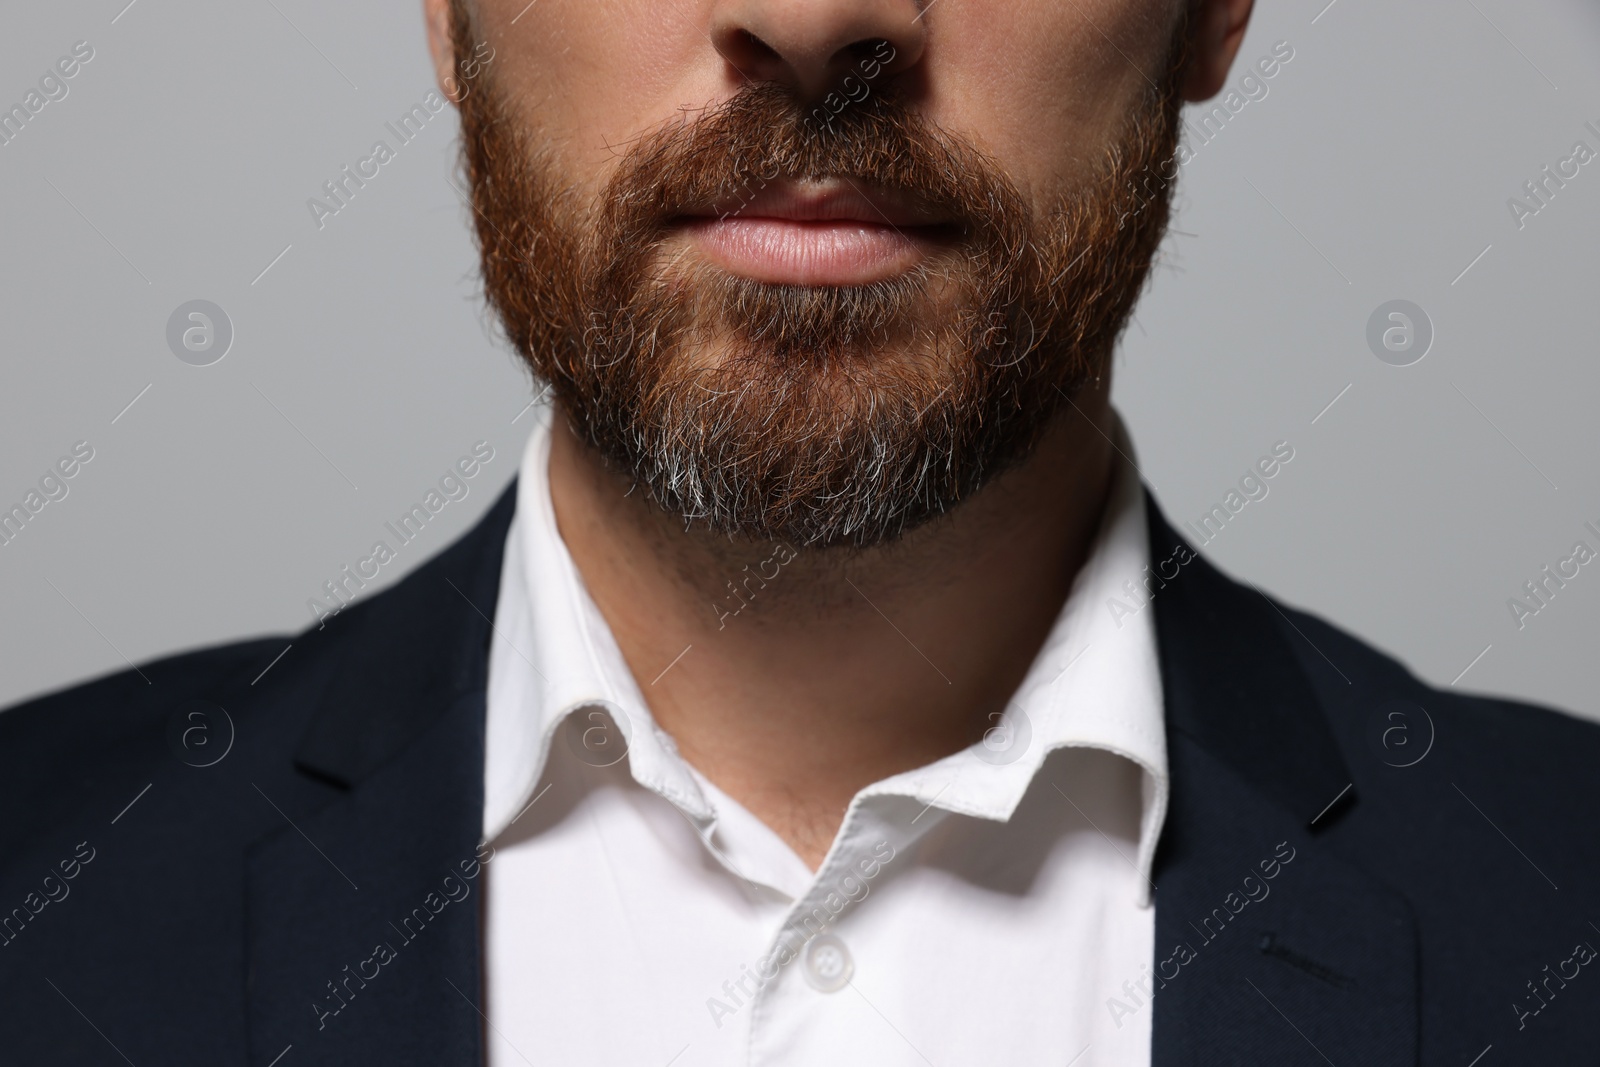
(813, 45)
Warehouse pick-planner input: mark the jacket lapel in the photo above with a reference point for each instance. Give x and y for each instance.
(362, 916)
(1270, 948)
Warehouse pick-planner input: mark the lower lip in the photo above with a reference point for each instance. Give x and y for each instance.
(790, 252)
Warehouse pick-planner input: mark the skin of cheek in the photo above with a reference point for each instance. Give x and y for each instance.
(593, 77)
(1037, 86)
(1034, 83)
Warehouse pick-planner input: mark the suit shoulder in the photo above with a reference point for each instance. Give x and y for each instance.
(1515, 735)
(115, 703)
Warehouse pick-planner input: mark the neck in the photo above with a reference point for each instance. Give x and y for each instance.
(812, 673)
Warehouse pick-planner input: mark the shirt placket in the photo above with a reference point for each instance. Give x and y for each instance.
(811, 954)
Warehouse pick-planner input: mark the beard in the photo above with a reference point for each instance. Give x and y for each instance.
(817, 415)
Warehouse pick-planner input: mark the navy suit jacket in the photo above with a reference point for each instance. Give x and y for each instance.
(202, 863)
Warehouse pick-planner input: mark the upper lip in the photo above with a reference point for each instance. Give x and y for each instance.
(825, 200)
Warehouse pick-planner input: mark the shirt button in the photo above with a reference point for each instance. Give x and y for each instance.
(827, 966)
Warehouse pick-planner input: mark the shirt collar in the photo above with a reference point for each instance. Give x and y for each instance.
(552, 655)
(1095, 682)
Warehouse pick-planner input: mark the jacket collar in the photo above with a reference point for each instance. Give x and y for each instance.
(362, 909)
(1233, 684)
(424, 643)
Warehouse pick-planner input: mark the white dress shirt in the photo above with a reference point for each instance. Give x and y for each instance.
(992, 907)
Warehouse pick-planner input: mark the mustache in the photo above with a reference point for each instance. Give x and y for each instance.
(765, 133)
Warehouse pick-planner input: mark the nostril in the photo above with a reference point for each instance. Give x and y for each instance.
(811, 46)
(872, 48)
(748, 54)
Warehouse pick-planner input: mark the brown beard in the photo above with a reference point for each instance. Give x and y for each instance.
(814, 414)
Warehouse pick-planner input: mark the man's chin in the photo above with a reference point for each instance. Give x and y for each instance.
(838, 383)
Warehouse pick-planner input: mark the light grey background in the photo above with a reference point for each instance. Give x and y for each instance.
(1377, 167)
